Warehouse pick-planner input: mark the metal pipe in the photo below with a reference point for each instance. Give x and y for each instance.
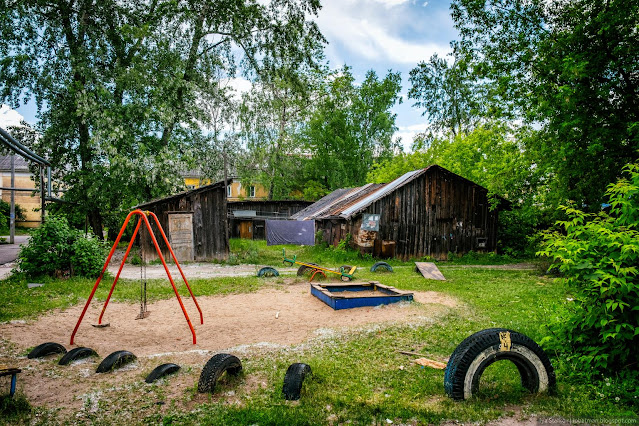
(12, 141)
(12, 212)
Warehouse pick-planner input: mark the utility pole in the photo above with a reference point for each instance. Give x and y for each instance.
(226, 225)
(12, 212)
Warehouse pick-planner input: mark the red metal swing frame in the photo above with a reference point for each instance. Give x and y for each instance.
(142, 217)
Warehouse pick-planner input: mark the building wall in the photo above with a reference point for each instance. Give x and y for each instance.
(263, 210)
(29, 202)
(240, 192)
(433, 215)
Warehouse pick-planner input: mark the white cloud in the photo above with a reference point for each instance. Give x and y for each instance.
(9, 117)
(408, 133)
(374, 36)
(391, 3)
(239, 85)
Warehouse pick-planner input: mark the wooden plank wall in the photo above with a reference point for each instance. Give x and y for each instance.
(209, 222)
(435, 214)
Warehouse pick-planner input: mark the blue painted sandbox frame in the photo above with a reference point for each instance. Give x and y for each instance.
(344, 296)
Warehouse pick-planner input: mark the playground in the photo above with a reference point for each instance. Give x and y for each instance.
(276, 318)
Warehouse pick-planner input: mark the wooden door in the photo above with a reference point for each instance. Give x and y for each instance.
(181, 235)
(246, 229)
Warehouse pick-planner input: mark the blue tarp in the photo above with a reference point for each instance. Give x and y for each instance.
(299, 232)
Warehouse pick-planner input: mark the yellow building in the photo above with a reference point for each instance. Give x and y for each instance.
(235, 190)
(29, 201)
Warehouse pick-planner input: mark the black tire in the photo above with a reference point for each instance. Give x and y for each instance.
(77, 353)
(214, 368)
(381, 266)
(268, 272)
(45, 349)
(161, 371)
(293, 380)
(478, 351)
(115, 360)
(305, 270)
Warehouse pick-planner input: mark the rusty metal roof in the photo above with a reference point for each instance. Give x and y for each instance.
(324, 204)
(385, 190)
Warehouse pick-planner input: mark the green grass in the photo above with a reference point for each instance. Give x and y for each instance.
(358, 375)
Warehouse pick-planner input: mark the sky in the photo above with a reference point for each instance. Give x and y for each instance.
(381, 35)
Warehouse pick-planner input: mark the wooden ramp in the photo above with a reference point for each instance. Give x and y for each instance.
(429, 271)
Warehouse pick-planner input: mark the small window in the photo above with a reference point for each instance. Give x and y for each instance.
(252, 191)
(228, 191)
(190, 187)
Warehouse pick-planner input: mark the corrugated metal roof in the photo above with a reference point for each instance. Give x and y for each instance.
(385, 190)
(20, 164)
(316, 209)
(353, 198)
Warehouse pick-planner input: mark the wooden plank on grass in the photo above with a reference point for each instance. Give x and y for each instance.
(429, 271)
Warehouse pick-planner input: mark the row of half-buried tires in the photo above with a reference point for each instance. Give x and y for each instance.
(461, 376)
(211, 373)
(231, 365)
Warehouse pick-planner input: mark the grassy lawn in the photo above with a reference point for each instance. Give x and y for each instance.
(359, 376)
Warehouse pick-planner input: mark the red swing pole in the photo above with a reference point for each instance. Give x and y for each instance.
(166, 268)
(178, 265)
(117, 277)
(95, 287)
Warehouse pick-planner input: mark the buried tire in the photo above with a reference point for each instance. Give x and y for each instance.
(115, 360)
(161, 371)
(45, 349)
(75, 354)
(306, 270)
(214, 368)
(268, 272)
(293, 380)
(381, 266)
(478, 351)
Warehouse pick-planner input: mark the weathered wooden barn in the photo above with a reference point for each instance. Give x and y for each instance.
(247, 218)
(195, 223)
(426, 212)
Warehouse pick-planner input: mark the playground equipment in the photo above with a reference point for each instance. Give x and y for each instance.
(142, 218)
(346, 273)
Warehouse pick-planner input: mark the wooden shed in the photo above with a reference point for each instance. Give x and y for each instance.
(426, 212)
(247, 218)
(195, 223)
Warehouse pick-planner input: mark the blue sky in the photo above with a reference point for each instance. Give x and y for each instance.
(381, 35)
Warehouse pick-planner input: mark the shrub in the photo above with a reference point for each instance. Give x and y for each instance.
(5, 211)
(597, 255)
(55, 249)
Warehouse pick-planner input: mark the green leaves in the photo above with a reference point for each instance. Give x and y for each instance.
(598, 255)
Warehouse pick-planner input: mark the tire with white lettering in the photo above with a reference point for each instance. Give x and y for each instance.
(214, 368)
(293, 380)
(478, 351)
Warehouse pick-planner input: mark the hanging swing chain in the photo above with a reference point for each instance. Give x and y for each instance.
(142, 284)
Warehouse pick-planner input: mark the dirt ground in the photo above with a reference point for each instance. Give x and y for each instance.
(272, 318)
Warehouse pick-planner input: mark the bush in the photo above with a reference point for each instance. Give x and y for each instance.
(5, 211)
(57, 250)
(597, 255)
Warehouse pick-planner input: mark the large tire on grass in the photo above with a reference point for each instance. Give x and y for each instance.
(115, 360)
(305, 270)
(478, 351)
(45, 349)
(77, 353)
(268, 272)
(381, 266)
(161, 371)
(214, 368)
(293, 380)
